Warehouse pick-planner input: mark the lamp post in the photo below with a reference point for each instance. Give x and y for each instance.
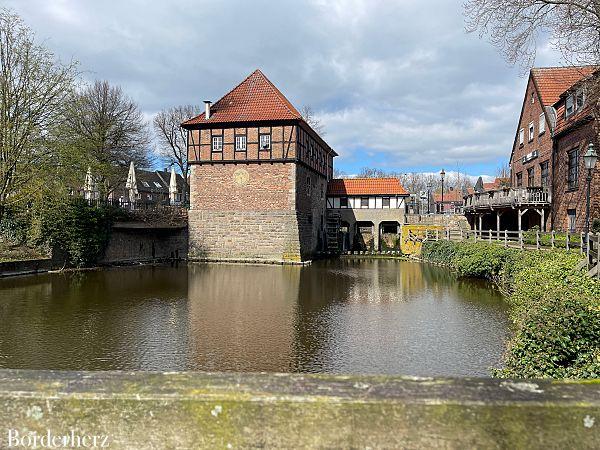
(442, 175)
(429, 186)
(589, 160)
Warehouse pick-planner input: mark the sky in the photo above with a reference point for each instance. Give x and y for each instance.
(398, 85)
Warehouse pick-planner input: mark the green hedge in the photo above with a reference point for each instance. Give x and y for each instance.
(78, 230)
(555, 307)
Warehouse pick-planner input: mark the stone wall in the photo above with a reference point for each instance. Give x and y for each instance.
(139, 243)
(199, 410)
(445, 220)
(244, 212)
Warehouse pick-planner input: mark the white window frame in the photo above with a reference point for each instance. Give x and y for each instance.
(158, 185)
(264, 141)
(240, 143)
(569, 110)
(531, 131)
(521, 136)
(542, 124)
(217, 144)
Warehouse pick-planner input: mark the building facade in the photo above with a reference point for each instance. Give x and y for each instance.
(370, 212)
(575, 130)
(547, 186)
(258, 178)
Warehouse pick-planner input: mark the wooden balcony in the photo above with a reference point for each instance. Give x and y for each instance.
(508, 198)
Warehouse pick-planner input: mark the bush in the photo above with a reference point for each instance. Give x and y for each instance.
(555, 307)
(77, 229)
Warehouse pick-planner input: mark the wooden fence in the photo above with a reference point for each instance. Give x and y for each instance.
(588, 245)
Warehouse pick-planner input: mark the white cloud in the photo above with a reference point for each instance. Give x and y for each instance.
(398, 82)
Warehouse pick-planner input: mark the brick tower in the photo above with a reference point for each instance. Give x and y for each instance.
(258, 178)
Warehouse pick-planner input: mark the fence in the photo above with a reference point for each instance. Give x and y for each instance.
(588, 245)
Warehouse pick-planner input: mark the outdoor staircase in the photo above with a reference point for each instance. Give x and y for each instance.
(333, 233)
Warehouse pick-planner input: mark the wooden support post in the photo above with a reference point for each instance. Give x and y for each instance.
(461, 234)
(581, 241)
(587, 250)
(543, 227)
(552, 238)
(437, 235)
(498, 224)
(519, 220)
(490, 236)
(505, 238)
(521, 239)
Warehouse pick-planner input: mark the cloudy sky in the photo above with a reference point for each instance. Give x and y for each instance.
(398, 85)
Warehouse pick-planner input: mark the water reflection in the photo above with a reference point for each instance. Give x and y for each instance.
(345, 316)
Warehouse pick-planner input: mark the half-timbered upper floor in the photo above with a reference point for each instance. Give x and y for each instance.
(255, 123)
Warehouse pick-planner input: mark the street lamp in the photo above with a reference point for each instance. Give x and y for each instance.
(442, 175)
(589, 160)
(429, 186)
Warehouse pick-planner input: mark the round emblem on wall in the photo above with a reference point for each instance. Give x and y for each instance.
(241, 177)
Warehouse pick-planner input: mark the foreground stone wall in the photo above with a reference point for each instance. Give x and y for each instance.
(139, 243)
(197, 410)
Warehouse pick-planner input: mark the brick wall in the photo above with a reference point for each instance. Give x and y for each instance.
(310, 205)
(541, 142)
(246, 212)
(564, 198)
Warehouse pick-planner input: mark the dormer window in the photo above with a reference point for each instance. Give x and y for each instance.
(531, 131)
(542, 127)
(579, 99)
(569, 105)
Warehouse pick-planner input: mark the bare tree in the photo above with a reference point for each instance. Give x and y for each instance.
(34, 85)
(503, 171)
(172, 138)
(309, 117)
(371, 172)
(337, 173)
(514, 26)
(109, 126)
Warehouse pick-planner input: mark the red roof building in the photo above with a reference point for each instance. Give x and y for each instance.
(365, 186)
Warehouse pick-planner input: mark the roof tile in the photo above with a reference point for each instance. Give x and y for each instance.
(254, 99)
(365, 186)
(552, 82)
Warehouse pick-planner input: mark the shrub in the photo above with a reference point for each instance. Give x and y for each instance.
(555, 307)
(77, 229)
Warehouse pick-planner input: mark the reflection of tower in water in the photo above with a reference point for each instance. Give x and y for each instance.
(241, 317)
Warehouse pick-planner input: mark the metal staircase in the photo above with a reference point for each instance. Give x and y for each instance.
(333, 233)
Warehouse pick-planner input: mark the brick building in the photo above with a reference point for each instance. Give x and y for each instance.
(548, 187)
(258, 178)
(369, 212)
(452, 202)
(575, 130)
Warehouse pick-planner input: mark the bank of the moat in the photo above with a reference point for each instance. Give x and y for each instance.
(336, 316)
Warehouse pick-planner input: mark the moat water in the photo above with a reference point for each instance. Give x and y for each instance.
(344, 316)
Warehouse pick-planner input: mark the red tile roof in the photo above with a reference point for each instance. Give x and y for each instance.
(365, 186)
(254, 99)
(453, 196)
(552, 82)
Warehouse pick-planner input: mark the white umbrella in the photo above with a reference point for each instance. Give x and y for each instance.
(90, 187)
(173, 186)
(131, 184)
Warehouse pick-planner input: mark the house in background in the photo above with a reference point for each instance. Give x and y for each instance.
(158, 187)
(368, 212)
(452, 202)
(547, 188)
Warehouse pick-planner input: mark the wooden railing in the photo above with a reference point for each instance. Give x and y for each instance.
(508, 197)
(588, 245)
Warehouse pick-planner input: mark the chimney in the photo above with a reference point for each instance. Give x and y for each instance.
(207, 109)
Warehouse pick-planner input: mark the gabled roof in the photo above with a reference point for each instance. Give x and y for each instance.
(157, 180)
(254, 99)
(365, 186)
(453, 196)
(552, 82)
